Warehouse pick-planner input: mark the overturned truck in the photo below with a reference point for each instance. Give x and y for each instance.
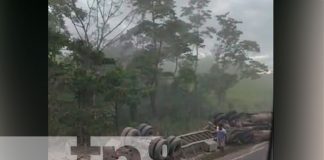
(242, 128)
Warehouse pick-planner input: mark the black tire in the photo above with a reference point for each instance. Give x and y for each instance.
(219, 118)
(242, 115)
(141, 126)
(170, 139)
(152, 146)
(230, 114)
(236, 137)
(174, 146)
(158, 150)
(245, 137)
(216, 116)
(125, 131)
(225, 123)
(133, 132)
(235, 117)
(147, 131)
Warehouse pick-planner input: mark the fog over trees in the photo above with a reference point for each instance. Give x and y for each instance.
(113, 63)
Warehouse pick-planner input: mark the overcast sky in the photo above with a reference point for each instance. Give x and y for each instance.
(257, 17)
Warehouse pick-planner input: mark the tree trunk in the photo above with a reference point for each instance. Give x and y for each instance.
(116, 119)
(155, 76)
(133, 112)
(94, 99)
(196, 66)
(79, 99)
(152, 99)
(153, 92)
(176, 67)
(221, 97)
(79, 124)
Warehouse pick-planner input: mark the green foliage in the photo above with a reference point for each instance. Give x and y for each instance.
(232, 53)
(187, 76)
(233, 61)
(96, 91)
(196, 12)
(158, 8)
(219, 81)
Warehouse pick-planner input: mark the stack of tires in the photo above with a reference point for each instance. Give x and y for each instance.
(226, 119)
(231, 118)
(159, 148)
(145, 129)
(142, 130)
(165, 149)
(129, 131)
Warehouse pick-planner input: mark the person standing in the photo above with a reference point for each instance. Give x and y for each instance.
(221, 137)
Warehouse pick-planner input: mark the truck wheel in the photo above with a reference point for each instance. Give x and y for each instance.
(152, 146)
(158, 151)
(147, 131)
(219, 118)
(230, 114)
(125, 131)
(174, 145)
(133, 132)
(215, 117)
(141, 126)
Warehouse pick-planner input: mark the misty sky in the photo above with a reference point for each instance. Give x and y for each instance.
(257, 17)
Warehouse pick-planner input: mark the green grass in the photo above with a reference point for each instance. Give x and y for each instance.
(247, 96)
(253, 95)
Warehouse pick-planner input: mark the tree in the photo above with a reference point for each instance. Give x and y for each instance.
(178, 39)
(233, 58)
(73, 68)
(155, 14)
(93, 21)
(186, 78)
(121, 88)
(58, 39)
(198, 14)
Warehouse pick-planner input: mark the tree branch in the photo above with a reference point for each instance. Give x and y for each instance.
(116, 37)
(73, 7)
(75, 27)
(89, 14)
(117, 9)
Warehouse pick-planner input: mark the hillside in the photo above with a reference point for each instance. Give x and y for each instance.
(253, 95)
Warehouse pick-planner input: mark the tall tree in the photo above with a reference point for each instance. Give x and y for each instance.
(233, 61)
(198, 14)
(57, 40)
(155, 16)
(120, 88)
(74, 68)
(178, 40)
(98, 22)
